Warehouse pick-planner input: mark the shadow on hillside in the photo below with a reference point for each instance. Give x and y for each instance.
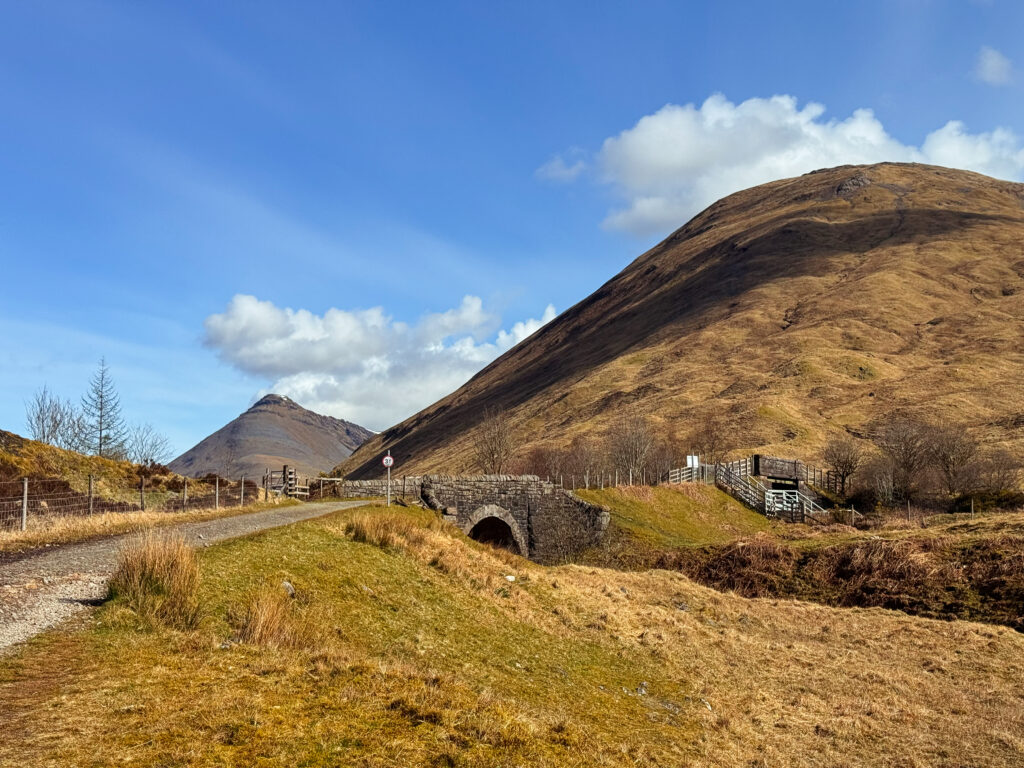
(666, 287)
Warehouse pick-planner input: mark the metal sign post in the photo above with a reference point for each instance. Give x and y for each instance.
(388, 462)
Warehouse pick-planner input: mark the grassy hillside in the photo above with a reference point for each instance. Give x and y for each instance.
(406, 644)
(677, 515)
(21, 457)
(792, 309)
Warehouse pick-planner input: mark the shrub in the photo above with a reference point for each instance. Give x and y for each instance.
(158, 578)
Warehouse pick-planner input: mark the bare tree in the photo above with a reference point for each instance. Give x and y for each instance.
(711, 439)
(585, 460)
(493, 445)
(664, 456)
(843, 455)
(73, 434)
(44, 416)
(541, 460)
(144, 445)
(1000, 472)
(630, 444)
(878, 478)
(956, 455)
(55, 421)
(905, 444)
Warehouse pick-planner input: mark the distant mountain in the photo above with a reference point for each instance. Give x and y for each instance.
(791, 310)
(274, 432)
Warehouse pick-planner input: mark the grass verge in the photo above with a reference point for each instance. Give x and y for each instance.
(56, 530)
(410, 645)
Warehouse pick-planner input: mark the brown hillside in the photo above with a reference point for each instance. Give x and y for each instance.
(794, 308)
(275, 431)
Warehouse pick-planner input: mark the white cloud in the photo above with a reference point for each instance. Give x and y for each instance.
(362, 365)
(677, 161)
(993, 67)
(564, 167)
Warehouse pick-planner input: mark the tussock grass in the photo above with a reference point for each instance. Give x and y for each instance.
(391, 529)
(270, 618)
(427, 655)
(157, 577)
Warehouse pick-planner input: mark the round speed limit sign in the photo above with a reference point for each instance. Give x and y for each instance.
(389, 461)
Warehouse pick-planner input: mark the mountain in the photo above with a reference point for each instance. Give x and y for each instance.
(274, 432)
(792, 309)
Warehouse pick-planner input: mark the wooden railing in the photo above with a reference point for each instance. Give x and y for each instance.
(730, 480)
(737, 478)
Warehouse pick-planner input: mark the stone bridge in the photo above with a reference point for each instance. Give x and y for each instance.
(522, 513)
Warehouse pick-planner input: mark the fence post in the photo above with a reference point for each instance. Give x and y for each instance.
(24, 504)
(631, 476)
(184, 494)
(142, 493)
(90, 495)
(241, 496)
(216, 492)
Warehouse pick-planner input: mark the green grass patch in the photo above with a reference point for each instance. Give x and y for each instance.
(678, 516)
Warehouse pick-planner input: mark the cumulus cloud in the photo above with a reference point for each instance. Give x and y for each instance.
(677, 161)
(993, 67)
(564, 167)
(362, 365)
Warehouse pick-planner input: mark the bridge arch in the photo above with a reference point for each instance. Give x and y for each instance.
(492, 524)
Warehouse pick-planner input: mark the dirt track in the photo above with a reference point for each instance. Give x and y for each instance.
(40, 591)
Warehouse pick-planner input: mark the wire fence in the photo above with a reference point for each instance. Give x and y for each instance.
(25, 501)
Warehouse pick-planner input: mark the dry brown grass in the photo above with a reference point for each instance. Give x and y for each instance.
(48, 531)
(271, 618)
(420, 665)
(157, 577)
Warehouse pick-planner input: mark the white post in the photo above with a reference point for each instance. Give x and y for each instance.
(389, 482)
(216, 493)
(90, 495)
(24, 504)
(184, 495)
(241, 497)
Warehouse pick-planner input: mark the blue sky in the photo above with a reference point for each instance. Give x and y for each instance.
(362, 203)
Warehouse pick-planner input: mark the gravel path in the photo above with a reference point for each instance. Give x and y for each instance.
(40, 591)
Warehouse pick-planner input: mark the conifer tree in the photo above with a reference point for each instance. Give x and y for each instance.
(101, 408)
